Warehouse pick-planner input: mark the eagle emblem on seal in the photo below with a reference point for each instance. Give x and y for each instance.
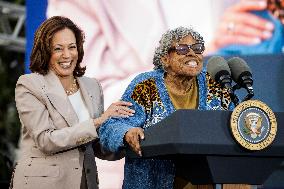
(253, 124)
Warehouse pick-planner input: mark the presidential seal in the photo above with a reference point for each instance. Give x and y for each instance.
(253, 125)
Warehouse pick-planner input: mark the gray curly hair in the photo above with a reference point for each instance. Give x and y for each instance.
(168, 38)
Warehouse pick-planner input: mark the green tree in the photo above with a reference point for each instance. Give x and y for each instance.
(11, 67)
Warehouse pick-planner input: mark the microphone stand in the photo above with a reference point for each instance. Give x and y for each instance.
(226, 81)
(249, 89)
(250, 94)
(247, 83)
(233, 96)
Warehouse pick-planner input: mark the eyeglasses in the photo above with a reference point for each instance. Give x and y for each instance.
(183, 49)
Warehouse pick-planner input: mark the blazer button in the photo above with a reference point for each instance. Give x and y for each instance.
(97, 178)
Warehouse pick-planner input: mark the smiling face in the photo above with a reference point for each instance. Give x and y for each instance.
(64, 53)
(186, 65)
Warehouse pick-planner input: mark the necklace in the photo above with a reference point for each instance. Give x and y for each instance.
(73, 88)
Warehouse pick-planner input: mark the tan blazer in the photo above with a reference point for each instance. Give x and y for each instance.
(53, 146)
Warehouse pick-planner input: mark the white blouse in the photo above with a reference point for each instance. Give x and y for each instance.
(79, 106)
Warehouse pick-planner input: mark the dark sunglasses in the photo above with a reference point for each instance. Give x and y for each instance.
(183, 49)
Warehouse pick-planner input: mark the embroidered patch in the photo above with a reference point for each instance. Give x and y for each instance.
(215, 91)
(146, 93)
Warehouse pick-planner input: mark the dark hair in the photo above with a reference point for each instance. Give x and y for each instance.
(41, 51)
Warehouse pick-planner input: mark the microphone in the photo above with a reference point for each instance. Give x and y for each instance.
(242, 75)
(220, 71)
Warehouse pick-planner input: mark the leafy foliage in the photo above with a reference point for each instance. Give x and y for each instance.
(11, 67)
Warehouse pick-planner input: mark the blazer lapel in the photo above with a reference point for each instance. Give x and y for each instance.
(87, 97)
(59, 99)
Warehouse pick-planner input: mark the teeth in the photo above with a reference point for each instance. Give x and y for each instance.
(65, 64)
(191, 63)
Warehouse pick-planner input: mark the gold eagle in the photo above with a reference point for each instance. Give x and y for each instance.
(253, 123)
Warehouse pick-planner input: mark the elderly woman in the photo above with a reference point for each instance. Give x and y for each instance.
(60, 111)
(177, 82)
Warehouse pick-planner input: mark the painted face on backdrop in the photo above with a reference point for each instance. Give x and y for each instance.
(182, 62)
(64, 53)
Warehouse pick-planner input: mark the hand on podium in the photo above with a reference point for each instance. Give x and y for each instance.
(132, 137)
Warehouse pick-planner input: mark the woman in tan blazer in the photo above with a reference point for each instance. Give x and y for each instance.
(60, 111)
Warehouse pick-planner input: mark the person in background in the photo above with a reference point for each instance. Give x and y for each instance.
(60, 111)
(178, 81)
(250, 27)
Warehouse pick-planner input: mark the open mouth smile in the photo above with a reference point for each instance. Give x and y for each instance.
(191, 63)
(65, 64)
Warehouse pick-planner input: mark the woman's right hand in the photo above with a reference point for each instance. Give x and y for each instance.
(133, 137)
(116, 109)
